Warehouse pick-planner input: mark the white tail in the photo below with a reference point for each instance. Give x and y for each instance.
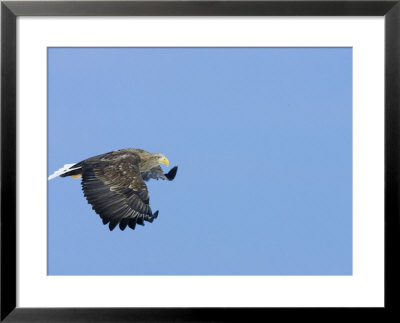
(62, 170)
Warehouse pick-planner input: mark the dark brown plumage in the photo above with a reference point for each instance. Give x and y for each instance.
(114, 184)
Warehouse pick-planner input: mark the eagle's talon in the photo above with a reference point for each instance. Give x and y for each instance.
(153, 216)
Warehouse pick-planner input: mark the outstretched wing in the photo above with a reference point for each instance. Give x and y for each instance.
(113, 186)
(157, 173)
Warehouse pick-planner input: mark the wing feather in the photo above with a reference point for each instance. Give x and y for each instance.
(113, 186)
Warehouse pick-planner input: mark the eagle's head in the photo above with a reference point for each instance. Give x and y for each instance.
(161, 159)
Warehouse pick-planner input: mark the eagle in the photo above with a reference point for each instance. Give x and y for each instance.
(114, 184)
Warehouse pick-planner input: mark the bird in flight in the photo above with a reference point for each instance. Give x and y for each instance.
(114, 184)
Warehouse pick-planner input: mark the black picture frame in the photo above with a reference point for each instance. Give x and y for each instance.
(10, 10)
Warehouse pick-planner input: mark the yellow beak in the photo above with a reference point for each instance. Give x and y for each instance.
(165, 161)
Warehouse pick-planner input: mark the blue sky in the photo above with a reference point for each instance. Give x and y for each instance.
(263, 141)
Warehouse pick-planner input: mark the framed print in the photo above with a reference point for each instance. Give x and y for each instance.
(198, 161)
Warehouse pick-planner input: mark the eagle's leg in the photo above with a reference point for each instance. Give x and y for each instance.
(153, 216)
